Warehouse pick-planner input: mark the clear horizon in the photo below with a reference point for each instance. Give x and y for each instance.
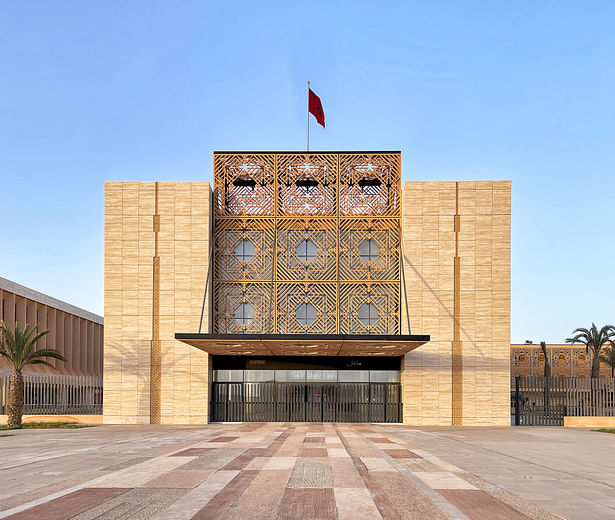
(484, 91)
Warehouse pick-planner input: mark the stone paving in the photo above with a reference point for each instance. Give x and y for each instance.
(241, 471)
(569, 471)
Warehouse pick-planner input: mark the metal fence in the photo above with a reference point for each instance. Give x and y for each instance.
(56, 395)
(340, 402)
(540, 401)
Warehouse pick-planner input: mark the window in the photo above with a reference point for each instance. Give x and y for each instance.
(244, 181)
(306, 314)
(244, 313)
(306, 250)
(321, 376)
(306, 183)
(369, 250)
(353, 376)
(259, 376)
(384, 376)
(290, 376)
(228, 376)
(244, 250)
(369, 181)
(368, 314)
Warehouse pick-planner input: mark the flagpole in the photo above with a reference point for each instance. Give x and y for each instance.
(308, 118)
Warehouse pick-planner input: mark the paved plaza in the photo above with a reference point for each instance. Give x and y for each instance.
(306, 471)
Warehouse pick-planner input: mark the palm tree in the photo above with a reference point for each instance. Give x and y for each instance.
(609, 358)
(594, 340)
(547, 370)
(547, 373)
(17, 347)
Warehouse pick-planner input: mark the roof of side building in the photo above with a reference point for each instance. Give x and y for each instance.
(31, 294)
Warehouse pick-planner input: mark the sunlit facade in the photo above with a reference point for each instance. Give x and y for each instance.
(307, 287)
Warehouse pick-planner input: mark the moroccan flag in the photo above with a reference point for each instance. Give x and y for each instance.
(315, 108)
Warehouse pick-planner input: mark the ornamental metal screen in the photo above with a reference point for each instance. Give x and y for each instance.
(307, 243)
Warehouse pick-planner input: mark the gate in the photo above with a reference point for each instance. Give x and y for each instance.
(540, 401)
(286, 402)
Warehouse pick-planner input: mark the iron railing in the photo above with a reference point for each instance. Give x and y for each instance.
(537, 400)
(56, 395)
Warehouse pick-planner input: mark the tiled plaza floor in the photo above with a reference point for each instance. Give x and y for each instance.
(240, 471)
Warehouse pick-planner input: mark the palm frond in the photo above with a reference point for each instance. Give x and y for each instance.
(38, 336)
(17, 346)
(608, 355)
(40, 362)
(592, 338)
(46, 352)
(576, 339)
(7, 342)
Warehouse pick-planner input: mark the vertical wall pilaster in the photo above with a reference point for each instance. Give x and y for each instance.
(156, 348)
(9, 309)
(457, 353)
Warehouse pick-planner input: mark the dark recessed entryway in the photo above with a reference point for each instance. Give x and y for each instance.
(296, 389)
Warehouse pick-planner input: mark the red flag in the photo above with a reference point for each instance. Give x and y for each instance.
(315, 108)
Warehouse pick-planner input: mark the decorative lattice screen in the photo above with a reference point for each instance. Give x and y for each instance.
(307, 240)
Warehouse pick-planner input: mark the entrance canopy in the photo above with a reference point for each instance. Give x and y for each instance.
(303, 344)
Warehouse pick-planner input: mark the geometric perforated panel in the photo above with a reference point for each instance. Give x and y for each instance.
(307, 240)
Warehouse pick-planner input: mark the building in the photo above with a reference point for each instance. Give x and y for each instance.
(307, 287)
(76, 333)
(566, 361)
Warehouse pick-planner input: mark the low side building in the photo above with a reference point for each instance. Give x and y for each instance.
(566, 361)
(76, 333)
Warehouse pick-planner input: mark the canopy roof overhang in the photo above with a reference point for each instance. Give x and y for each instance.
(303, 344)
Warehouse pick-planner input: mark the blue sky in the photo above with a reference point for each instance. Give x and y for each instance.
(95, 91)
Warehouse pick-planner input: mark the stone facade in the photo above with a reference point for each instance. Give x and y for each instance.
(456, 272)
(183, 220)
(456, 257)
